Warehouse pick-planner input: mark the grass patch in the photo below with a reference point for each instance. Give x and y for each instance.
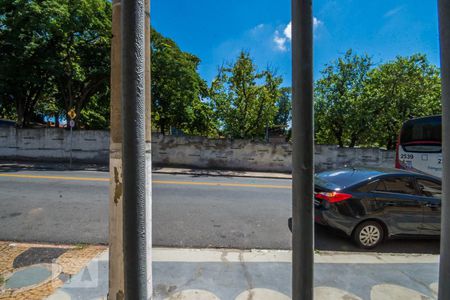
(81, 246)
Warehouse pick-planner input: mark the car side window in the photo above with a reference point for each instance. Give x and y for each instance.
(400, 185)
(429, 188)
(381, 186)
(369, 187)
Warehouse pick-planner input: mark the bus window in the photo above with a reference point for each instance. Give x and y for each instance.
(420, 146)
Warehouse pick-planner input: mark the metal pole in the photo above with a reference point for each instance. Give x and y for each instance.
(71, 147)
(303, 151)
(134, 181)
(116, 272)
(148, 149)
(444, 266)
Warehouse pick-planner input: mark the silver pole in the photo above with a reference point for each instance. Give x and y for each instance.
(444, 267)
(134, 181)
(148, 149)
(303, 151)
(71, 147)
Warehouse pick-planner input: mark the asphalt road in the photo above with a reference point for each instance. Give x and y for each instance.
(188, 211)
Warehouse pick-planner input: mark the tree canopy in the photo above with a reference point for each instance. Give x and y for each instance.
(357, 103)
(178, 92)
(339, 100)
(53, 51)
(246, 100)
(55, 56)
(398, 90)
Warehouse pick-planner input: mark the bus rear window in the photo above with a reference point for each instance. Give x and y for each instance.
(423, 132)
(426, 148)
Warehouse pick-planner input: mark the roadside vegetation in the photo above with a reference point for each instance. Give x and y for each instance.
(55, 56)
(358, 103)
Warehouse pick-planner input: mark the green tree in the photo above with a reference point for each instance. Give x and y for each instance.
(340, 101)
(96, 114)
(244, 99)
(284, 108)
(178, 91)
(25, 47)
(54, 51)
(81, 58)
(403, 88)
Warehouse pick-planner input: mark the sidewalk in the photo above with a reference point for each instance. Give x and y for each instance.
(35, 271)
(201, 274)
(7, 166)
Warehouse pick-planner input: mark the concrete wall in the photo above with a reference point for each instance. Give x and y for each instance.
(49, 144)
(193, 152)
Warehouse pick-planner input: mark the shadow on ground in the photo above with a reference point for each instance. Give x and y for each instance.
(17, 166)
(330, 240)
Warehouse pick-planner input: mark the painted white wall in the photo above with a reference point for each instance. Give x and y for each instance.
(92, 146)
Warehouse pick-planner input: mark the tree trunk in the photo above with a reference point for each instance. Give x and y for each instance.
(389, 145)
(341, 143)
(20, 113)
(162, 127)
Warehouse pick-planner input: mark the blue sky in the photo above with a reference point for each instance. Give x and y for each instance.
(217, 30)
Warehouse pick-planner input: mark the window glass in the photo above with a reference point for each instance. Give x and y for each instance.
(422, 129)
(381, 186)
(402, 185)
(428, 148)
(430, 188)
(369, 187)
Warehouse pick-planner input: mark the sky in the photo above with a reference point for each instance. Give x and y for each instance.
(217, 30)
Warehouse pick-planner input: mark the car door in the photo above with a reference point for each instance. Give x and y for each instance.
(402, 209)
(430, 192)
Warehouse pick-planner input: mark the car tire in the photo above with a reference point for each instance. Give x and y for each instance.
(368, 235)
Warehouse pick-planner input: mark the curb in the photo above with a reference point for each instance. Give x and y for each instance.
(157, 170)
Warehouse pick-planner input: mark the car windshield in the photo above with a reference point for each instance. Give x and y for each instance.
(340, 179)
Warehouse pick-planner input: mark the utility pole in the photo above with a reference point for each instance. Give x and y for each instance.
(444, 33)
(148, 149)
(134, 149)
(116, 221)
(303, 151)
(116, 279)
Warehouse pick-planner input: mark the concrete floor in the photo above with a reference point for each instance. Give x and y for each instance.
(234, 274)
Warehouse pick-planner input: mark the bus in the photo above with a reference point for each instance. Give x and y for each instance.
(419, 146)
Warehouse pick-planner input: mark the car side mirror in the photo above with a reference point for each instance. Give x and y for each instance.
(290, 224)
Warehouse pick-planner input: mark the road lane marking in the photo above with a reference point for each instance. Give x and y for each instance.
(168, 182)
(54, 177)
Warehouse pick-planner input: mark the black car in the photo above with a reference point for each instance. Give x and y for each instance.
(371, 204)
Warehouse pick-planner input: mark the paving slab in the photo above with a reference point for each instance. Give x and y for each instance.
(266, 274)
(36, 271)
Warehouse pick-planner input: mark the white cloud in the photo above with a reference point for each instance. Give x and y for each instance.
(393, 11)
(316, 22)
(258, 29)
(288, 31)
(281, 40)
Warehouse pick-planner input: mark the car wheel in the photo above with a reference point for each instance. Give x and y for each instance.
(368, 235)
